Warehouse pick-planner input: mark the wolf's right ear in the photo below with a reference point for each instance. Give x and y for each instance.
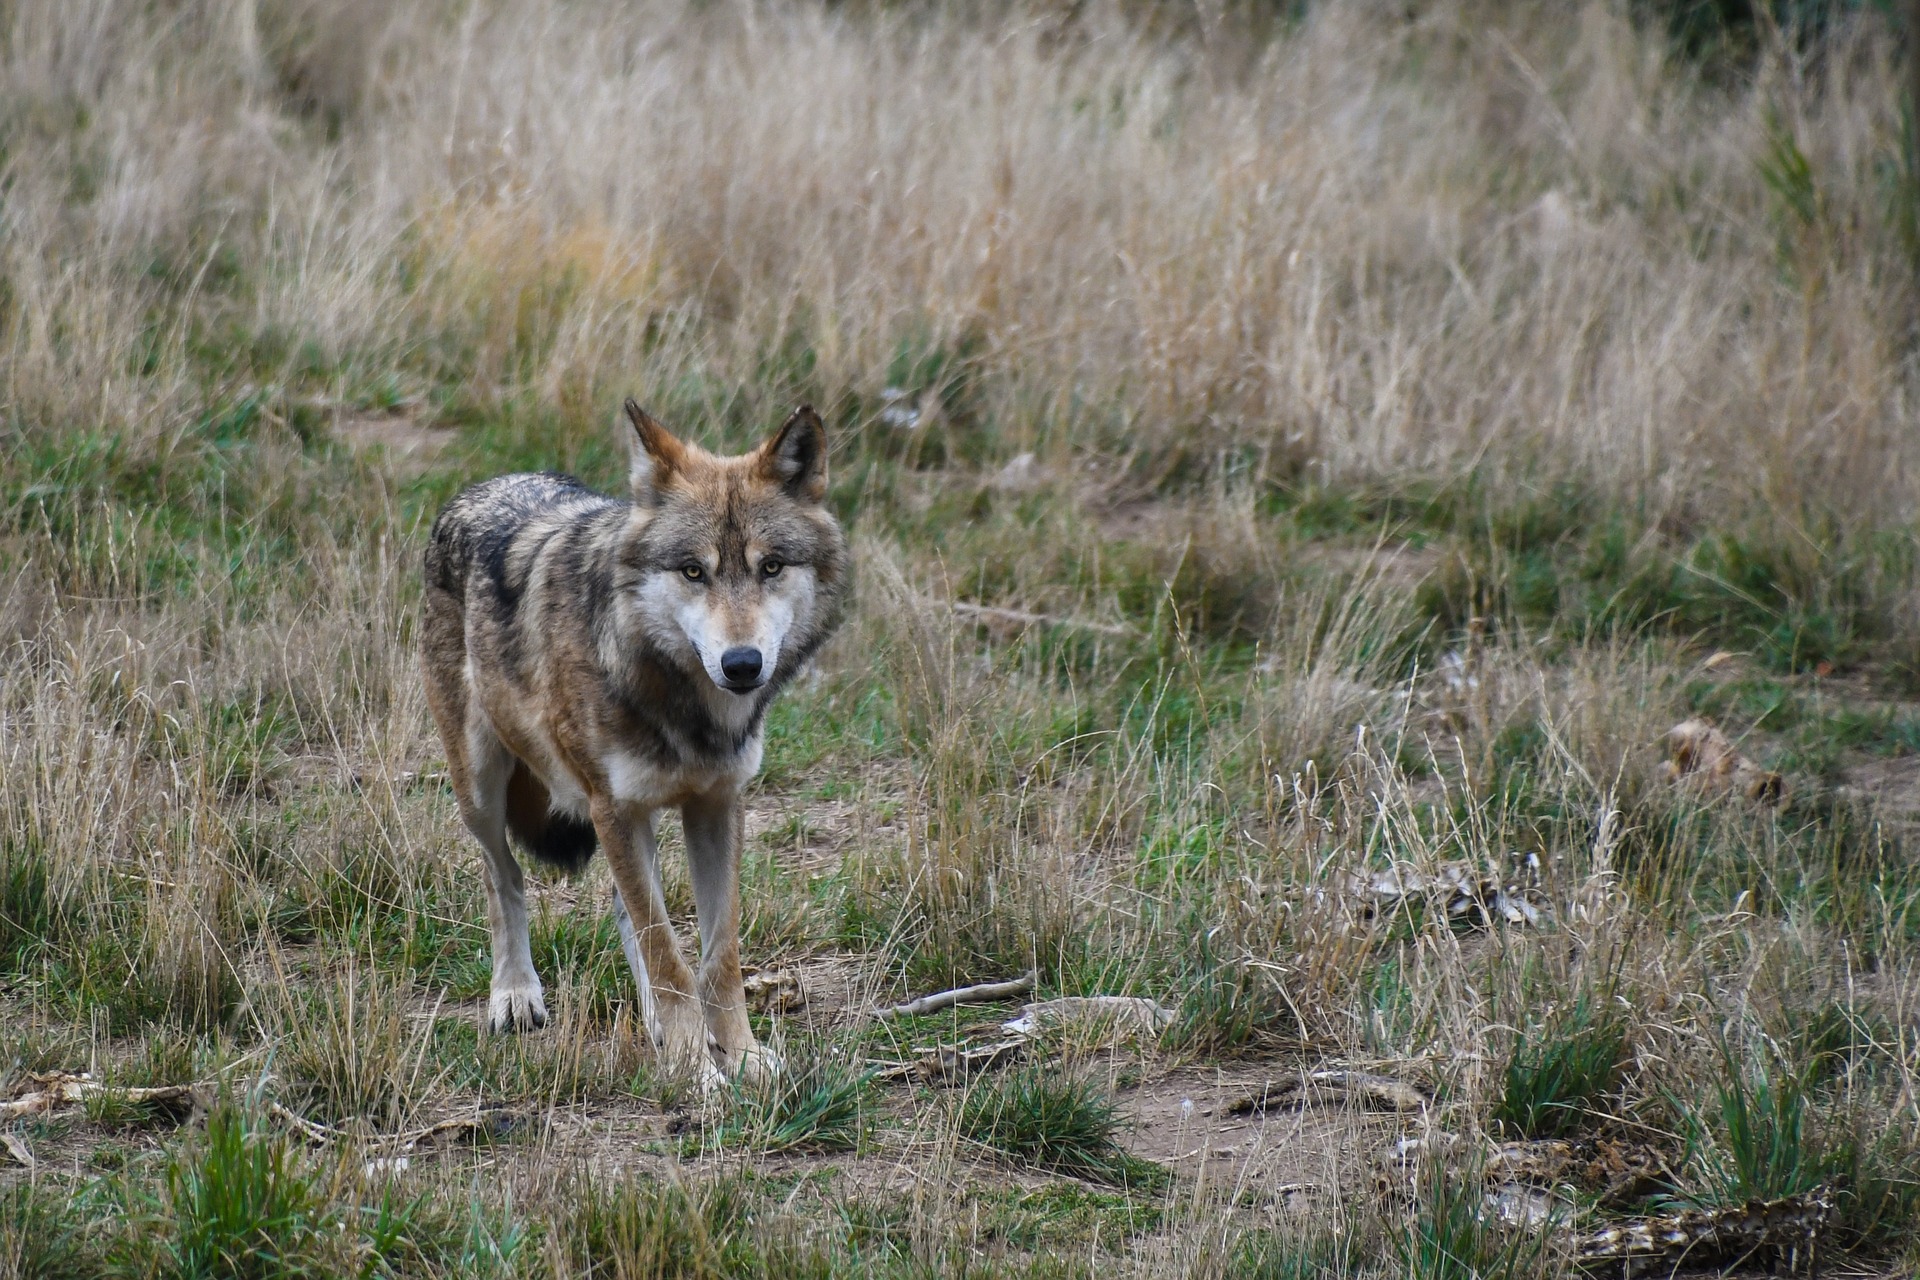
(657, 454)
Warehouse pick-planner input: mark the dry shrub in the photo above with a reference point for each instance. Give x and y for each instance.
(981, 885)
(193, 946)
(354, 1055)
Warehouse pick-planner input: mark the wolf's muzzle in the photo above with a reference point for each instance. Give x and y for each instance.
(741, 666)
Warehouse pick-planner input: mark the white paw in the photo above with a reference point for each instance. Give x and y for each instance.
(758, 1067)
(518, 1008)
(713, 1081)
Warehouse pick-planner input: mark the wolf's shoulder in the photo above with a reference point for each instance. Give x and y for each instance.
(480, 523)
(523, 493)
(505, 503)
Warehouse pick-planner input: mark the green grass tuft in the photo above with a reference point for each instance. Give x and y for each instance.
(242, 1205)
(1230, 1004)
(44, 1233)
(27, 913)
(1053, 1120)
(820, 1101)
(1451, 1235)
(1559, 1074)
(354, 1056)
(1765, 1146)
(644, 1228)
(1275, 1255)
(580, 949)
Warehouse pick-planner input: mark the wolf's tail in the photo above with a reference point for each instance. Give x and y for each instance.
(556, 838)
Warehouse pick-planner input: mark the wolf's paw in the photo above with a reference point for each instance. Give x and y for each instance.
(755, 1066)
(714, 1083)
(511, 1009)
(682, 1044)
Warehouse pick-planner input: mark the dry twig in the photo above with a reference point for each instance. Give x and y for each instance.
(63, 1088)
(982, 993)
(945, 1061)
(1377, 1092)
(403, 1141)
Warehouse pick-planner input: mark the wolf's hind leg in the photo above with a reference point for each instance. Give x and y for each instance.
(714, 830)
(516, 1001)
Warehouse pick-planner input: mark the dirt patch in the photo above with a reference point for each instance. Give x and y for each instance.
(835, 989)
(1285, 1159)
(1892, 785)
(404, 442)
(812, 837)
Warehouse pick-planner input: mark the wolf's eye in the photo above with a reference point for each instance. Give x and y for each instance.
(770, 568)
(693, 572)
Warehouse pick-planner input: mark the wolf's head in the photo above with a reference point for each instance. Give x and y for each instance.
(737, 569)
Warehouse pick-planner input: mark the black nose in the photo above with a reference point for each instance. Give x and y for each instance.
(740, 665)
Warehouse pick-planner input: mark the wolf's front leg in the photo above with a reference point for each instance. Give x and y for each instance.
(668, 998)
(714, 828)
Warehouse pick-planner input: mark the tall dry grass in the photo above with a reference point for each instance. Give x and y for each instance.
(1465, 236)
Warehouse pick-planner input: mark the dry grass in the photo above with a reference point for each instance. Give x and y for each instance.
(1307, 255)
(1386, 412)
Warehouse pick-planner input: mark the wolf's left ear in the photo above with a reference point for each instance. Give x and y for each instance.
(796, 457)
(657, 454)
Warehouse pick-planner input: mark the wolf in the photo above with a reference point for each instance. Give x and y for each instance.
(591, 661)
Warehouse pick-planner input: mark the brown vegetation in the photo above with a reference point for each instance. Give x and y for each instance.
(1282, 452)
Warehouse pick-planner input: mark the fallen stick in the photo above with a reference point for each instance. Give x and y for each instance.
(981, 993)
(1127, 1015)
(405, 1141)
(946, 1061)
(32, 1104)
(1370, 1091)
(320, 1133)
(61, 1088)
(1130, 1015)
